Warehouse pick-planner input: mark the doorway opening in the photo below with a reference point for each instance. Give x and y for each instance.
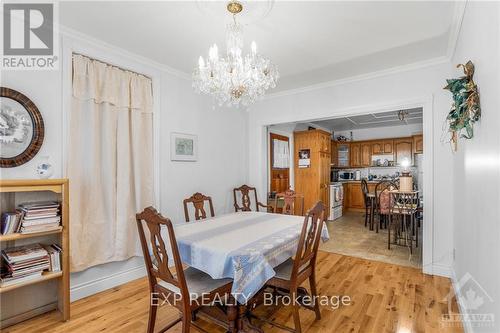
(372, 158)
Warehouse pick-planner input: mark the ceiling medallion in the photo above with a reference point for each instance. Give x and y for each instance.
(235, 79)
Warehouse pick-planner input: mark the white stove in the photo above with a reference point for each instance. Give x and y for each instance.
(336, 201)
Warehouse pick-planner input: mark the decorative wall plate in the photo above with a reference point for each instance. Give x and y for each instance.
(21, 128)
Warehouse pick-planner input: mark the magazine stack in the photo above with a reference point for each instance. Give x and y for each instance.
(39, 217)
(24, 263)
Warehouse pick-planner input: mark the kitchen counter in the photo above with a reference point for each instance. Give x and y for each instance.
(356, 182)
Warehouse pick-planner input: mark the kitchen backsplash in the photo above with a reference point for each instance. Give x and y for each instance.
(381, 171)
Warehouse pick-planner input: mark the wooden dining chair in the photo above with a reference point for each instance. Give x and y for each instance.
(187, 287)
(293, 272)
(382, 201)
(367, 200)
(246, 202)
(198, 200)
(290, 197)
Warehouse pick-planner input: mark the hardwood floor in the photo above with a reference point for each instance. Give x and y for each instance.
(384, 298)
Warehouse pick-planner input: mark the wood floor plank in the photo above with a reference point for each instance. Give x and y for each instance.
(384, 298)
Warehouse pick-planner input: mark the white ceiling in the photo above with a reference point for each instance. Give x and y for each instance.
(371, 120)
(311, 42)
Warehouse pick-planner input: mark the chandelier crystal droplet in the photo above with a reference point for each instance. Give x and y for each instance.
(235, 79)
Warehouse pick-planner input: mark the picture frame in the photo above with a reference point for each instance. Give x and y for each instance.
(22, 129)
(183, 147)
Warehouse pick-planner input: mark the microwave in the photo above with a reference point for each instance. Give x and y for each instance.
(346, 175)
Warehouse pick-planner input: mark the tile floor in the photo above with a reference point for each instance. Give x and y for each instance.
(348, 236)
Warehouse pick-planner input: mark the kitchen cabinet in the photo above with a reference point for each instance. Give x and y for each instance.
(313, 182)
(403, 149)
(325, 143)
(377, 148)
(355, 155)
(343, 154)
(388, 146)
(366, 154)
(353, 195)
(418, 144)
(334, 153)
(381, 147)
(356, 199)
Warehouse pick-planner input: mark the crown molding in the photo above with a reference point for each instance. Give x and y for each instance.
(456, 25)
(74, 34)
(362, 77)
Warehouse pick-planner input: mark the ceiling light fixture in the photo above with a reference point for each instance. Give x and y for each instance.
(402, 115)
(236, 79)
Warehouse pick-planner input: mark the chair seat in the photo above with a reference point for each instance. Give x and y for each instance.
(284, 270)
(198, 282)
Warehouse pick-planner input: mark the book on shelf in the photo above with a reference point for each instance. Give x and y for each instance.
(23, 263)
(39, 205)
(39, 217)
(54, 257)
(10, 222)
(8, 281)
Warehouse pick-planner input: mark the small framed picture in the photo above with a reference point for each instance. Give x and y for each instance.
(183, 147)
(304, 158)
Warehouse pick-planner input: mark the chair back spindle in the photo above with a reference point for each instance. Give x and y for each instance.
(198, 200)
(310, 236)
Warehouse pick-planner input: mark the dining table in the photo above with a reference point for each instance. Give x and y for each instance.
(242, 246)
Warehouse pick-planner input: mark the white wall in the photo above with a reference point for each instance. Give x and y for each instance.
(374, 93)
(44, 89)
(383, 132)
(221, 134)
(477, 162)
(221, 164)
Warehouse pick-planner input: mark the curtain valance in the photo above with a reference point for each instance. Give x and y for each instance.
(105, 83)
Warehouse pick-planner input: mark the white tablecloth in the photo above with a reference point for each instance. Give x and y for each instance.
(243, 246)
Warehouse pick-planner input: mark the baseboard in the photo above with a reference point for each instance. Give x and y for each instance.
(92, 287)
(467, 326)
(440, 270)
(27, 315)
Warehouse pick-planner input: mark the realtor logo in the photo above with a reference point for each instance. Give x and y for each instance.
(29, 40)
(471, 298)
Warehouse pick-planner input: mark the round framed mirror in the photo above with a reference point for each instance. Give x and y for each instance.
(21, 128)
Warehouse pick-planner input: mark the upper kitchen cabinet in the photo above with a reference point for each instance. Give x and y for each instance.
(334, 153)
(403, 150)
(355, 152)
(418, 144)
(388, 146)
(343, 154)
(366, 154)
(325, 142)
(377, 147)
(381, 147)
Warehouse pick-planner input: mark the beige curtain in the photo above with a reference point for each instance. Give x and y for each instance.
(110, 161)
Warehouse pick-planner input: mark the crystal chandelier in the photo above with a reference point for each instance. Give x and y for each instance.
(236, 79)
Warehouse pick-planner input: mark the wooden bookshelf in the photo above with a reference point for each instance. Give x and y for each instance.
(17, 235)
(11, 188)
(45, 276)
